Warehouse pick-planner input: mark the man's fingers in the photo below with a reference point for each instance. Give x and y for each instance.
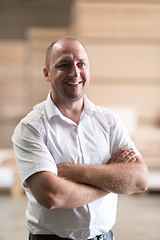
(118, 153)
(123, 155)
(126, 156)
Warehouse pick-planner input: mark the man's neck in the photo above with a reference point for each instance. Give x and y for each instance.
(71, 110)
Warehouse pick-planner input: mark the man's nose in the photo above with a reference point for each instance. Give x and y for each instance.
(74, 72)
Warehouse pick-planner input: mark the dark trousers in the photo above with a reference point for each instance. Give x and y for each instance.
(107, 236)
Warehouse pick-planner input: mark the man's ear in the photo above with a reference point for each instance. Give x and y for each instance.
(46, 74)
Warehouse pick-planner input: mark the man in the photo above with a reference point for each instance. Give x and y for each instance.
(73, 156)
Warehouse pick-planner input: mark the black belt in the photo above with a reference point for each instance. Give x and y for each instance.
(55, 237)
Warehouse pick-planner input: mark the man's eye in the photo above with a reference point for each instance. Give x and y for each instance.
(82, 64)
(63, 65)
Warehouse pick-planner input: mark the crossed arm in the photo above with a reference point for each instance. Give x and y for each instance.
(77, 185)
(124, 174)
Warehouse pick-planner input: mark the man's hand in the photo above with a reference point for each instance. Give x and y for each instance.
(123, 155)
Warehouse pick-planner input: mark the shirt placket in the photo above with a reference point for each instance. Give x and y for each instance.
(82, 145)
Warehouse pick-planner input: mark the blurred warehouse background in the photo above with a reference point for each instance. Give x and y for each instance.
(122, 38)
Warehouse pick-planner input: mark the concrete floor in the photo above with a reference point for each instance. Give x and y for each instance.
(138, 218)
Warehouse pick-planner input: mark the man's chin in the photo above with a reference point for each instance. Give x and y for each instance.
(74, 98)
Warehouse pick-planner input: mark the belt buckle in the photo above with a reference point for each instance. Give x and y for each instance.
(100, 237)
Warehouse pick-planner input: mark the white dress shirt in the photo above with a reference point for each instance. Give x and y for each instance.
(45, 138)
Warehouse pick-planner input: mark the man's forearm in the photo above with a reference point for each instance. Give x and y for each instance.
(122, 178)
(52, 191)
(73, 194)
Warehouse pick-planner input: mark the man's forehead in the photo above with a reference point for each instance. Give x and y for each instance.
(66, 47)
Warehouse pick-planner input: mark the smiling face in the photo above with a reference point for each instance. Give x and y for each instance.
(68, 71)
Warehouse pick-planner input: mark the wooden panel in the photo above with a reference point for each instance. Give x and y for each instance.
(11, 50)
(39, 36)
(103, 19)
(124, 61)
(13, 87)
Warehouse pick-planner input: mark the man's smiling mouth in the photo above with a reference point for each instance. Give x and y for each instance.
(74, 83)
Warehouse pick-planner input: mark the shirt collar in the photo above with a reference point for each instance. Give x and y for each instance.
(89, 107)
(52, 109)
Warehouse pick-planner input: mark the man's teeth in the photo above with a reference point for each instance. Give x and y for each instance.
(71, 83)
